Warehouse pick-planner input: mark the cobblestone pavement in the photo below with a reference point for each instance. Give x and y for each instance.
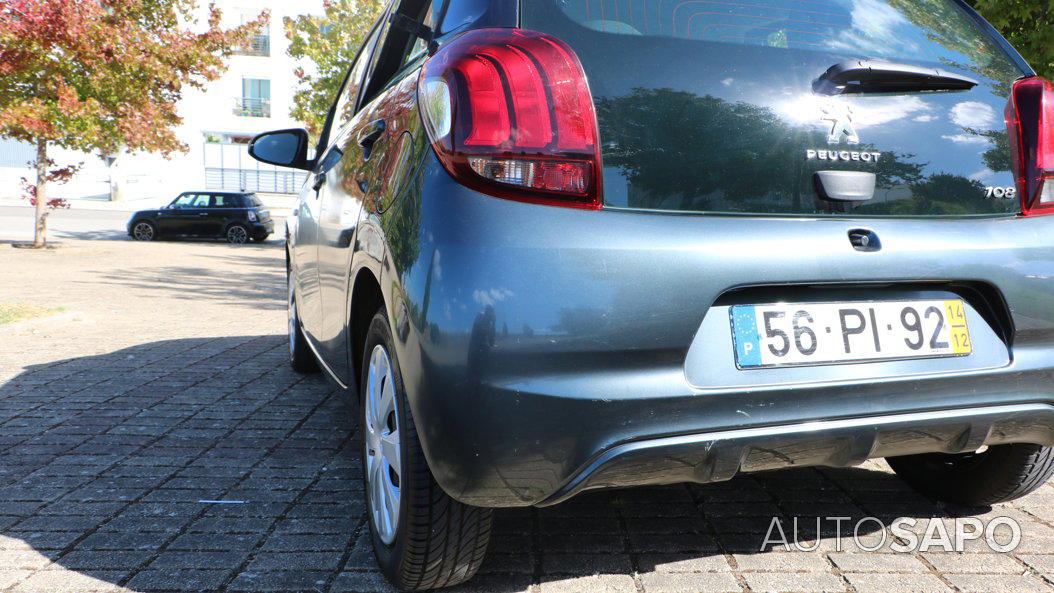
(164, 385)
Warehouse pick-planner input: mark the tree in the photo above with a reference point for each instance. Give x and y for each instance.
(1028, 25)
(103, 75)
(330, 41)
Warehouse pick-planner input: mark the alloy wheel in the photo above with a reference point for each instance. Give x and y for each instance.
(236, 234)
(143, 232)
(383, 455)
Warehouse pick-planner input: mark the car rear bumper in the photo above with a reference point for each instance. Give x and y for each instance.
(548, 350)
(720, 455)
(518, 443)
(262, 229)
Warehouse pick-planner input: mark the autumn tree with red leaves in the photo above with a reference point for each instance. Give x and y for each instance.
(103, 75)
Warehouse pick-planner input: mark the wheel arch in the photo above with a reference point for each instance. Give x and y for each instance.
(366, 298)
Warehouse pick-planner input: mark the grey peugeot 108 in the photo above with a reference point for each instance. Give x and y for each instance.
(560, 245)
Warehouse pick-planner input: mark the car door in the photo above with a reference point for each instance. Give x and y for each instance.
(180, 217)
(365, 148)
(304, 242)
(194, 220)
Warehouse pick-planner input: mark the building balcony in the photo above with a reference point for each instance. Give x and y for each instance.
(252, 107)
(259, 45)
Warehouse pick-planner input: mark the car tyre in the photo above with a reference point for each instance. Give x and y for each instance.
(144, 230)
(999, 474)
(301, 358)
(237, 234)
(422, 538)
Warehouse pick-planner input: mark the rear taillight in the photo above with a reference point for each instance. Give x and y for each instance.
(509, 114)
(1030, 121)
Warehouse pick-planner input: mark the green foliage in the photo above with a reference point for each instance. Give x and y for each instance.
(1028, 25)
(105, 74)
(102, 75)
(330, 41)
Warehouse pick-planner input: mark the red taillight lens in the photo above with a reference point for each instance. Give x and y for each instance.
(1030, 121)
(509, 113)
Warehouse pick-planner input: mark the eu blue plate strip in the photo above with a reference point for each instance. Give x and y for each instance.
(748, 342)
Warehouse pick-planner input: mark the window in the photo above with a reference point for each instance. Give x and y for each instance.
(937, 31)
(395, 48)
(191, 201)
(256, 98)
(418, 46)
(258, 45)
(344, 108)
(227, 201)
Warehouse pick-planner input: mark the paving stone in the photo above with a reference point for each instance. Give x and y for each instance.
(1044, 563)
(9, 576)
(782, 562)
(372, 582)
(290, 580)
(796, 582)
(874, 562)
(664, 563)
(986, 583)
(603, 583)
(307, 543)
(559, 564)
(67, 581)
(690, 583)
(123, 541)
(901, 583)
(273, 561)
(214, 542)
(986, 563)
(179, 580)
(497, 564)
(23, 560)
(118, 561)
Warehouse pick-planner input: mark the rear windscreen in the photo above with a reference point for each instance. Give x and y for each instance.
(892, 29)
(710, 105)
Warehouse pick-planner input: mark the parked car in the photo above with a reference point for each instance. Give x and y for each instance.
(237, 217)
(552, 246)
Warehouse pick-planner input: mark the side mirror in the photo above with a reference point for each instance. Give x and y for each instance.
(285, 148)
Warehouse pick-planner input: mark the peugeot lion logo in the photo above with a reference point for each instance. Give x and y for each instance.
(841, 119)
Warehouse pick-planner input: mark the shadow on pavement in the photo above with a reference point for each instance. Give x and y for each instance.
(250, 273)
(107, 464)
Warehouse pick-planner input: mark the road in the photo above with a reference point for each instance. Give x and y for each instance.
(16, 224)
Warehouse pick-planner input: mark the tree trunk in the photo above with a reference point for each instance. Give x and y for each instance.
(40, 232)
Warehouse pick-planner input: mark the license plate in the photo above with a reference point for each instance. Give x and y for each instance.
(780, 334)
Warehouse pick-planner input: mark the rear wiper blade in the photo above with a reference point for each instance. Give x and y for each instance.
(876, 76)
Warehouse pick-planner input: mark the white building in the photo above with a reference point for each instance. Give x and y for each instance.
(254, 95)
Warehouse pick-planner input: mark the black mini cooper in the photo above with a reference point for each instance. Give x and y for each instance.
(236, 216)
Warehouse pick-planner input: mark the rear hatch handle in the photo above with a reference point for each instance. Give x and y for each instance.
(878, 76)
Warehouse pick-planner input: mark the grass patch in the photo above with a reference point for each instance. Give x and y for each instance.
(12, 312)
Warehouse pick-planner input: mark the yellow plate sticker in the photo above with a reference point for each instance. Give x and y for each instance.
(959, 333)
